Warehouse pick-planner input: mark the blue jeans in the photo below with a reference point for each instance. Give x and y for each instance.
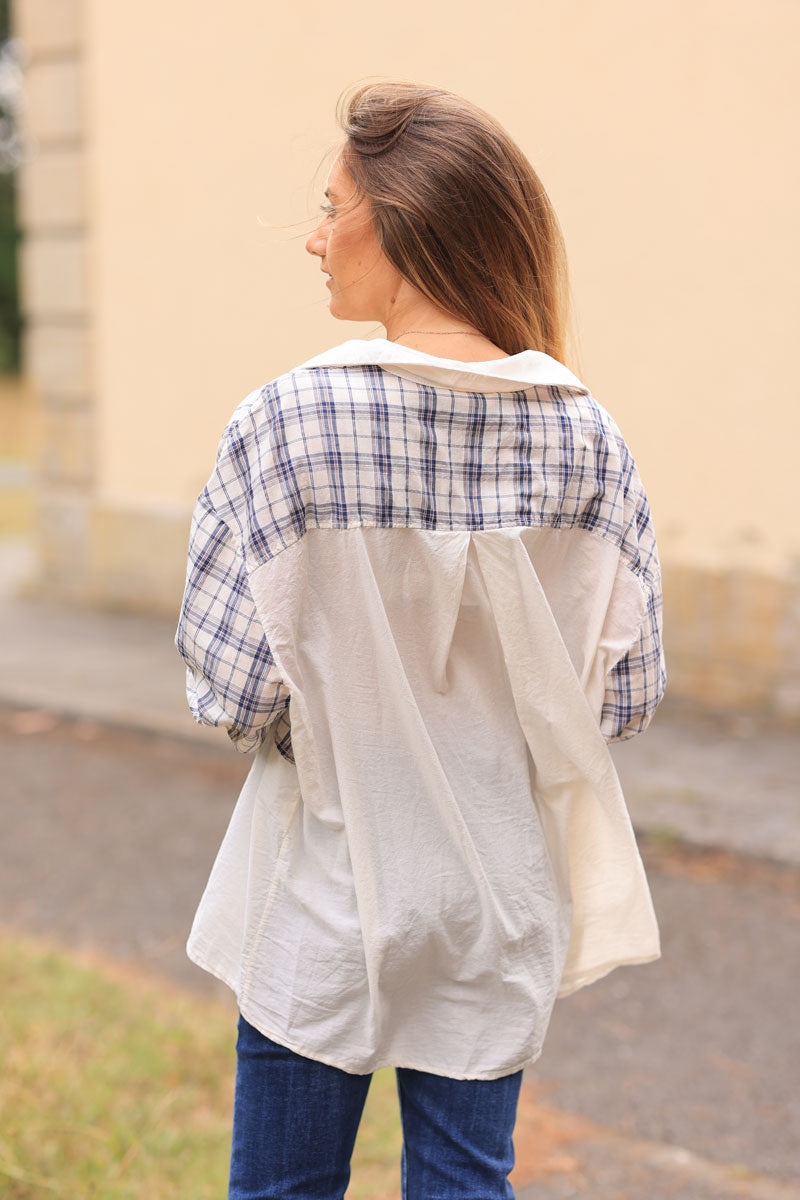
(295, 1122)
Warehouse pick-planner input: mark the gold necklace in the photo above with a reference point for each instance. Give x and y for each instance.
(438, 333)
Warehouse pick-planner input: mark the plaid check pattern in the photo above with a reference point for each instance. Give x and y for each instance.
(337, 446)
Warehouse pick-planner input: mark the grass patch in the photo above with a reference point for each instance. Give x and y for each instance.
(117, 1087)
(663, 837)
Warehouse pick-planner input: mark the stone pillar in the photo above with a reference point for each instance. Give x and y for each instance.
(53, 267)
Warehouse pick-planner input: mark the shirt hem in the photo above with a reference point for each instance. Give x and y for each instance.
(576, 982)
(197, 957)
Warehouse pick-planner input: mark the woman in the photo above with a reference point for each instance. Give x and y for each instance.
(423, 585)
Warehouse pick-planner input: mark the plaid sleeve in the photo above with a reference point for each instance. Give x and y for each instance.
(636, 683)
(231, 677)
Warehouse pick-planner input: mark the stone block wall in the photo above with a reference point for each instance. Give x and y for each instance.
(54, 292)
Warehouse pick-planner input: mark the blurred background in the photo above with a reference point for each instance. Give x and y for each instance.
(160, 168)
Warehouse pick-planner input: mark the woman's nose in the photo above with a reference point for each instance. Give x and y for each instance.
(316, 242)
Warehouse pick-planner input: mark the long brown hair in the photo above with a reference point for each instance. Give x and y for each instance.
(459, 211)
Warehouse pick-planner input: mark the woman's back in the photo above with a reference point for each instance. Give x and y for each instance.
(460, 595)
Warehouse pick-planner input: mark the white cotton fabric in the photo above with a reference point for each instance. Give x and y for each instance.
(451, 849)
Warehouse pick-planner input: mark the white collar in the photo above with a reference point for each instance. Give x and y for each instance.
(523, 370)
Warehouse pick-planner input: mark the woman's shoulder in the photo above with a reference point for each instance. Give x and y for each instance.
(268, 396)
(354, 352)
(287, 397)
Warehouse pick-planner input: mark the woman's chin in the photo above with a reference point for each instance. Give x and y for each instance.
(343, 311)
(338, 310)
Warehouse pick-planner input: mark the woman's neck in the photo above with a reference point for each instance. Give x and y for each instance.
(441, 335)
(414, 321)
(472, 347)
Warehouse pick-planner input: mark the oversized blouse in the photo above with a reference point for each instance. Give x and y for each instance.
(426, 595)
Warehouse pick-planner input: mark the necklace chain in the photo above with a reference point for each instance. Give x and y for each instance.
(439, 333)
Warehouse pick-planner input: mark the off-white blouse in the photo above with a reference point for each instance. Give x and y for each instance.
(427, 593)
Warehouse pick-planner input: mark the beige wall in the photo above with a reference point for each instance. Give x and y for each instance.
(664, 138)
(664, 144)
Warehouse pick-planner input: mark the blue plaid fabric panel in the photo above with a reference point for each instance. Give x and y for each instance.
(636, 684)
(231, 680)
(332, 447)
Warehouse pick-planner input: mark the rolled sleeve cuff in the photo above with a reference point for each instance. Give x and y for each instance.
(206, 710)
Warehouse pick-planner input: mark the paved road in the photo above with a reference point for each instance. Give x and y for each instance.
(673, 1080)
